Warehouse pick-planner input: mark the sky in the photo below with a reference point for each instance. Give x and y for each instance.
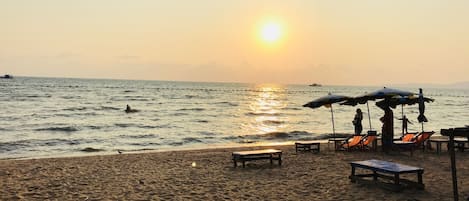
(333, 42)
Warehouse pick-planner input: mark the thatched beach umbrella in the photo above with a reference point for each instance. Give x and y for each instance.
(388, 121)
(384, 93)
(405, 100)
(327, 101)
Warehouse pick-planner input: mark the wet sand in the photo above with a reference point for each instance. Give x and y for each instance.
(171, 176)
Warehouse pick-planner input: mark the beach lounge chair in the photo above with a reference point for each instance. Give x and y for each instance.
(417, 141)
(421, 139)
(352, 142)
(367, 142)
(408, 137)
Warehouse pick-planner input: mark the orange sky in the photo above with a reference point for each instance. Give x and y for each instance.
(330, 42)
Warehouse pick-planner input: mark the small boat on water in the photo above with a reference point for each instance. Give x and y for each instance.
(7, 76)
(315, 85)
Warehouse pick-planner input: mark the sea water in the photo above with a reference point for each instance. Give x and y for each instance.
(54, 117)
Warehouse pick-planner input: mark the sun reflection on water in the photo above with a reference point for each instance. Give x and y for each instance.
(267, 107)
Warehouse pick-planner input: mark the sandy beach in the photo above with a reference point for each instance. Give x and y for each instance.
(171, 176)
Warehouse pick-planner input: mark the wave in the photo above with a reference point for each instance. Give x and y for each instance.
(70, 97)
(94, 127)
(142, 136)
(144, 144)
(110, 108)
(11, 146)
(273, 136)
(91, 149)
(207, 133)
(179, 114)
(275, 122)
(75, 109)
(64, 129)
(126, 125)
(191, 109)
(23, 144)
(227, 103)
(293, 108)
(175, 143)
(262, 114)
(190, 140)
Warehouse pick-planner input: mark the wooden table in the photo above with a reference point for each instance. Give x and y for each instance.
(268, 154)
(381, 168)
(405, 145)
(337, 142)
(438, 142)
(313, 146)
(460, 144)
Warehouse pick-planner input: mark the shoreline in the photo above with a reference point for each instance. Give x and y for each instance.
(170, 176)
(189, 148)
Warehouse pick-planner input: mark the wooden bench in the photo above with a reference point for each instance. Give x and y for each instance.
(381, 168)
(460, 144)
(438, 142)
(404, 145)
(313, 146)
(268, 154)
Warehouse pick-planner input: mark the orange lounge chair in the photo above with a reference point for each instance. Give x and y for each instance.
(416, 142)
(421, 138)
(368, 142)
(408, 137)
(352, 142)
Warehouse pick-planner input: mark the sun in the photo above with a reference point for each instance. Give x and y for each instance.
(271, 32)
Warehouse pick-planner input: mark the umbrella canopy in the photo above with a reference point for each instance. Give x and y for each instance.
(383, 93)
(421, 101)
(378, 94)
(404, 100)
(327, 101)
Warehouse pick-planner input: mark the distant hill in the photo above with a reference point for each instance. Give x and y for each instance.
(457, 85)
(460, 85)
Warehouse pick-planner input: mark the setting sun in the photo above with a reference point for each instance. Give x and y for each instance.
(271, 32)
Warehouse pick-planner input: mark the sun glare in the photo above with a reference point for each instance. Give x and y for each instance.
(271, 32)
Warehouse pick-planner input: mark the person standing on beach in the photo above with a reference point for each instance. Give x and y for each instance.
(404, 124)
(387, 130)
(357, 122)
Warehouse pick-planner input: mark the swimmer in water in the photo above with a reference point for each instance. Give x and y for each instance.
(129, 110)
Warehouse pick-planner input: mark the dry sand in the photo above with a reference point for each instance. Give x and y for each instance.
(170, 176)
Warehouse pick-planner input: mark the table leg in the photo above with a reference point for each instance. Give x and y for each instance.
(375, 176)
(438, 147)
(419, 176)
(280, 159)
(271, 159)
(396, 179)
(352, 174)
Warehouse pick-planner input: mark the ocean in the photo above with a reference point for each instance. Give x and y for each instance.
(56, 117)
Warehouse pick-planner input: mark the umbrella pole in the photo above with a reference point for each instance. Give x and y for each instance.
(333, 127)
(369, 118)
(402, 111)
(402, 114)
